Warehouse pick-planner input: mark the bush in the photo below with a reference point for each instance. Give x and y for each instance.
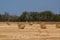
(21, 26)
(43, 27)
(58, 26)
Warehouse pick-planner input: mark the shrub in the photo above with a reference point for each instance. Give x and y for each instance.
(21, 26)
(8, 24)
(58, 26)
(43, 27)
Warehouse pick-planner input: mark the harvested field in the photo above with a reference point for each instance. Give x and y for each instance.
(29, 31)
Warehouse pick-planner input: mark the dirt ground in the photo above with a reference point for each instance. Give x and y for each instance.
(31, 31)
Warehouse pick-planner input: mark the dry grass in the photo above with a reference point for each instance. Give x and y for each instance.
(13, 31)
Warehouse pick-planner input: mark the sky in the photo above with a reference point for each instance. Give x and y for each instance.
(16, 7)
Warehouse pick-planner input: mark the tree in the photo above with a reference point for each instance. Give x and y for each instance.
(23, 17)
(6, 16)
(57, 17)
(33, 16)
(46, 16)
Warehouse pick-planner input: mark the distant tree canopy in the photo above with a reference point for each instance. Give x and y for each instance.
(30, 17)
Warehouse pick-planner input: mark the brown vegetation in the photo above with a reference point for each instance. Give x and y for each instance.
(32, 31)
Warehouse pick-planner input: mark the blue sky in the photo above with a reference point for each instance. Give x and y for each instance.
(16, 7)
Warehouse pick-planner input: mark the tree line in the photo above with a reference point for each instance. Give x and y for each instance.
(30, 17)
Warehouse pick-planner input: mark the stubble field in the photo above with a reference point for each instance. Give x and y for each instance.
(28, 31)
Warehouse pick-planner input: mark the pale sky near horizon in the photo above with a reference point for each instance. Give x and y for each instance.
(16, 7)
